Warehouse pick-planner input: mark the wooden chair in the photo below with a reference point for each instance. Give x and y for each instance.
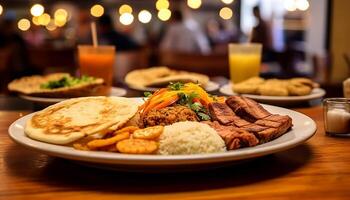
(211, 65)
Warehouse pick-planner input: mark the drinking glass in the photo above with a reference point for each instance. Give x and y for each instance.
(244, 60)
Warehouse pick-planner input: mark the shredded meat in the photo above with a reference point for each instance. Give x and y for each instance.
(169, 115)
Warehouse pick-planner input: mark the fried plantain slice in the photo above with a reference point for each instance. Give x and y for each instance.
(94, 144)
(137, 146)
(129, 129)
(149, 133)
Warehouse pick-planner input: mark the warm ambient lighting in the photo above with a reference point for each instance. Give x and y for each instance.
(226, 13)
(23, 24)
(1, 9)
(60, 17)
(51, 26)
(37, 10)
(126, 18)
(194, 4)
(125, 8)
(44, 19)
(162, 4)
(302, 5)
(164, 14)
(145, 16)
(35, 20)
(227, 1)
(97, 10)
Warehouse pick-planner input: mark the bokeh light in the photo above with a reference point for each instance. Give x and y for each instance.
(290, 5)
(194, 4)
(44, 19)
(226, 13)
(164, 14)
(37, 10)
(1, 9)
(126, 18)
(61, 14)
(97, 10)
(51, 26)
(35, 20)
(23, 24)
(145, 16)
(227, 1)
(302, 5)
(162, 4)
(125, 8)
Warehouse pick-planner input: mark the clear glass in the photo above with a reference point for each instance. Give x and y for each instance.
(336, 114)
(97, 61)
(244, 60)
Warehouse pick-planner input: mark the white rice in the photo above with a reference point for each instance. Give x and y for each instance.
(190, 138)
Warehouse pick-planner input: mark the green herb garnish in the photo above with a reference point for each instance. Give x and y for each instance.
(176, 86)
(66, 81)
(147, 94)
(197, 107)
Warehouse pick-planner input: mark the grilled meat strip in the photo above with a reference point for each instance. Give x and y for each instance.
(234, 137)
(247, 108)
(224, 114)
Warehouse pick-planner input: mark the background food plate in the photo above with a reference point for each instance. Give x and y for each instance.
(115, 91)
(316, 93)
(304, 128)
(211, 86)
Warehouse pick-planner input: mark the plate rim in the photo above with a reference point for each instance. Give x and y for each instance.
(157, 160)
(214, 84)
(122, 92)
(319, 94)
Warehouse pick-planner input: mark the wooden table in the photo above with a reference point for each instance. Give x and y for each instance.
(318, 169)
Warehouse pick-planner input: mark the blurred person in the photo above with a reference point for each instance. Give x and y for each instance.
(107, 35)
(219, 35)
(186, 37)
(261, 33)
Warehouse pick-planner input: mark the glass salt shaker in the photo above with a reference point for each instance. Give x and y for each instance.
(336, 112)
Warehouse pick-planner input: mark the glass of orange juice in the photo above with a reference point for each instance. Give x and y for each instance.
(244, 60)
(97, 62)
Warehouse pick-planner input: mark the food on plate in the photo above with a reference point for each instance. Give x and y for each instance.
(60, 85)
(275, 87)
(73, 119)
(178, 120)
(190, 138)
(137, 146)
(162, 76)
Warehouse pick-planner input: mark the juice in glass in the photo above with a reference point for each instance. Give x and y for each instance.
(98, 62)
(244, 61)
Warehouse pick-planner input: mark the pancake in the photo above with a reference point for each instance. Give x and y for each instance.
(73, 119)
(162, 76)
(31, 85)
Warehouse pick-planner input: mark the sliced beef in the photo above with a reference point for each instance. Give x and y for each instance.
(285, 122)
(254, 128)
(224, 114)
(247, 108)
(234, 137)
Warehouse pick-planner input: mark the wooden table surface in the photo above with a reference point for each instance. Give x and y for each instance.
(318, 169)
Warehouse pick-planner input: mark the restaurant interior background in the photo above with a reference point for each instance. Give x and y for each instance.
(305, 37)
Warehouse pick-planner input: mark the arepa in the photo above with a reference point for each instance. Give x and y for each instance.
(70, 120)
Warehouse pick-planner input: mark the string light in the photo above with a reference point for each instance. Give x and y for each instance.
(1, 9)
(51, 26)
(37, 10)
(227, 1)
(35, 20)
(44, 19)
(226, 13)
(125, 8)
(162, 4)
(126, 18)
(23, 24)
(164, 14)
(145, 16)
(60, 17)
(97, 10)
(194, 4)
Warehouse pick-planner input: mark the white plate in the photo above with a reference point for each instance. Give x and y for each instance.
(304, 128)
(210, 87)
(115, 91)
(315, 94)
